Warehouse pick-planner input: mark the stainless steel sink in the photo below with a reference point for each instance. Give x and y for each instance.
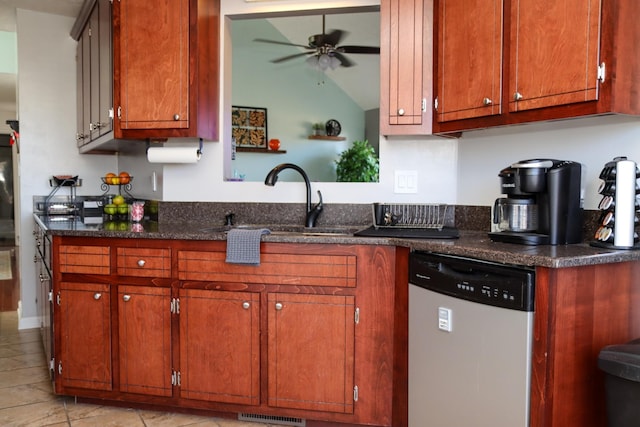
(287, 230)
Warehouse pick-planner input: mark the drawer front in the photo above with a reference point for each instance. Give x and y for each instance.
(282, 269)
(84, 259)
(144, 262)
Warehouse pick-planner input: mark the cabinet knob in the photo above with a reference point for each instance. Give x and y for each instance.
(517, 96)
(246, 305)
(401, 111)
(141, 263)
(487, 101)
(176, 117)
(279, 306)
(126, 298)
(97, 296)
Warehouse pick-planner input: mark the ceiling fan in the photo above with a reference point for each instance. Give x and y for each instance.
(323, 49)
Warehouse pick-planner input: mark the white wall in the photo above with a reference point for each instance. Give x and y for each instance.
(46, 110)
(590, 141)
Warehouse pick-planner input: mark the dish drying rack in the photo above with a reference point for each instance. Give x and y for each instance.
(403, 215)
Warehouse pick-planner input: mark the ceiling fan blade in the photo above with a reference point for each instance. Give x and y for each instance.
(344, 61)
(358, 49)
(334, 37)
(282, 43)
(288, 57)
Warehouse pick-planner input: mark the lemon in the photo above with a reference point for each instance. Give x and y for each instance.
(118, 200)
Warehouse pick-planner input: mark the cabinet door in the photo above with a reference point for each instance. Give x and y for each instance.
(469, 64)
(84, 359)
(154, 64)
(406, 45)
(311, 352)
(220, 346)
(84, 87)
(554, 52)
(104, 73)
(144, 320)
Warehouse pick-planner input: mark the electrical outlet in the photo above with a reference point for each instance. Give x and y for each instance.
(406, 182)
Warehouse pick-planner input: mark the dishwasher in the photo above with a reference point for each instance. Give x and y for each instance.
(470, 342)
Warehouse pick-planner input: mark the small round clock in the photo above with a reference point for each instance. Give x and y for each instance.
(333, 128)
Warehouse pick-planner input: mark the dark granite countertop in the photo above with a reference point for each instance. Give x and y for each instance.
(474, 244)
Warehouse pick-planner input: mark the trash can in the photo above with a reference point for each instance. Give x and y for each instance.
(621, 364)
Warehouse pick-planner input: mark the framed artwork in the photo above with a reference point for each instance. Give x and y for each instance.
(249, 127)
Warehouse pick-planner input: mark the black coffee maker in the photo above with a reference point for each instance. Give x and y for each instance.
(542, 206)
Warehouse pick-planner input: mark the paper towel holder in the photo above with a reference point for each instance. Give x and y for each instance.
(160, 141)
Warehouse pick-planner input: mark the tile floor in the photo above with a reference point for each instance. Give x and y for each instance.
(27, 400)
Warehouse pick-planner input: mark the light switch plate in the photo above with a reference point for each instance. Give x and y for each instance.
(406, 182)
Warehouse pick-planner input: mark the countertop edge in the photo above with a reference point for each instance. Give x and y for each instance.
(472, 244)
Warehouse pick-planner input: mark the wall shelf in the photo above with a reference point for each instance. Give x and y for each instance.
(327, 138)
(258, 150)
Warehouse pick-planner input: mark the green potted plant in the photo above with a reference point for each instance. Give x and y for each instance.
(358, 164)
(317, 128)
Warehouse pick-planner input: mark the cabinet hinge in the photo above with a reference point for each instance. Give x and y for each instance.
(424, 105)
(52, 364)
(89, 32)
(175, 306)
(111, 113)
(356, 316)
(435, 104)
(175, 378)
(602, 72)
(355, 393)
(50, 296)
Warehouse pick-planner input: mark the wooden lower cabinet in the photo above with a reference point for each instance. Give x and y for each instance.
(311, 352)
(315, 332)
(84, 354)
(144, 340)
(220, 346)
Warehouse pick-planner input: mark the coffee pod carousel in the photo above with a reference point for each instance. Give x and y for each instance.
(617, 226)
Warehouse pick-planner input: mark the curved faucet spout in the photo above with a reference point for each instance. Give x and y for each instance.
(272, 178)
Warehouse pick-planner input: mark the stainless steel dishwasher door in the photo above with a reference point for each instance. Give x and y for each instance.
(477, 374)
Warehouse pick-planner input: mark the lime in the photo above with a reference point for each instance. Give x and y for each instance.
(110, 209)
(118, 200)
(123, 209)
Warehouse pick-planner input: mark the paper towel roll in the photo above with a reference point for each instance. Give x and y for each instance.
(173, 154)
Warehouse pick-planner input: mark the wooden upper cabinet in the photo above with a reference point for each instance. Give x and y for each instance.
(554, 52)
(559, 59)
(166, 68)
(406, 46)
(469, 59)
(154, 64)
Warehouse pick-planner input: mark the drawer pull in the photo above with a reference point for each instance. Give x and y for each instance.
(487, 101)
(97, 296)
(279, 306)
(401, 111)
(141, 263)
(246, 305)
(126, 298)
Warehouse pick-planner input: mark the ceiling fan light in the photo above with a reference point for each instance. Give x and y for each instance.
(324, 61)
(335, 63)
(312, 61)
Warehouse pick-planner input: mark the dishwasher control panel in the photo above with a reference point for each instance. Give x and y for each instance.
(474, 280)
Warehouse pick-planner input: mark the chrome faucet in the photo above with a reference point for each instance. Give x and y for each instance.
(312, 213)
